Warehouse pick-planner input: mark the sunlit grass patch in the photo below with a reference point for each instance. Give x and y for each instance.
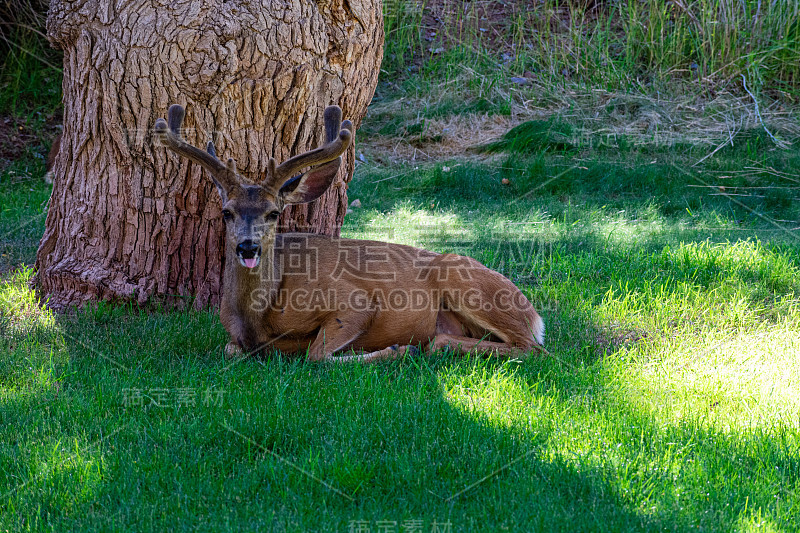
(31, 344)
(20, 309)
(60, 476)
(414, 227)
(756, 521)
(727, 285)
(731, 380)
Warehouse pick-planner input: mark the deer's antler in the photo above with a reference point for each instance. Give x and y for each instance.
(338, 135)
(224, 176)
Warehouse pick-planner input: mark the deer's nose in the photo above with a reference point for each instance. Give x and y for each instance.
(248, 249)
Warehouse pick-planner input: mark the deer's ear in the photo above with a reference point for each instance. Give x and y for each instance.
(311, 185)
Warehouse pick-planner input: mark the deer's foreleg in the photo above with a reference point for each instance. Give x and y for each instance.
(468, 345)
(336, 334)
(232, 351)
(387, 354)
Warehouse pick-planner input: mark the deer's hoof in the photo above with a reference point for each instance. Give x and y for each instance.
(410, 351)
(232, 351)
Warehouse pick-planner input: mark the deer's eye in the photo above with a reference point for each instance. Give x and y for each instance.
(273, 216)
(227, 214)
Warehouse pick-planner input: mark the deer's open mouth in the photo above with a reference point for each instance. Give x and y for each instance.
(249, 262)
(249, 254)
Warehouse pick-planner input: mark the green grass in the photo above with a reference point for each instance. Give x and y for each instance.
(669, 400)
(23, 207)
(30, 79)
(623, 44)
(534, 137)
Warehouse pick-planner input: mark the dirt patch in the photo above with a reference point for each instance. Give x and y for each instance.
(17, 138)
(446, 23)
(14, 140)
(615, 336)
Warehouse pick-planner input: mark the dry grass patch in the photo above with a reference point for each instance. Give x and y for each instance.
(597, 118)
(441, 139)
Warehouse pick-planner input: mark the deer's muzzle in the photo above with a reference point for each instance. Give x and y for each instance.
(249, 253)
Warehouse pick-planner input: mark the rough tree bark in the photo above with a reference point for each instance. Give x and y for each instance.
(130, 221)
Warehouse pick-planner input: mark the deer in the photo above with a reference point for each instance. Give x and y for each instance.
(337, 299)
(50, 162)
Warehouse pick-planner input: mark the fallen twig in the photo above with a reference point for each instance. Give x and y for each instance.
(781, 144)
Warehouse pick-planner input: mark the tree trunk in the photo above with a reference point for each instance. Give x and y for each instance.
(130, 221)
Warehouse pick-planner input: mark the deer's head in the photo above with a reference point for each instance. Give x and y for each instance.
(251, 210)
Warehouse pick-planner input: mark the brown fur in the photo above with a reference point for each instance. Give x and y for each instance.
(51, 159)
